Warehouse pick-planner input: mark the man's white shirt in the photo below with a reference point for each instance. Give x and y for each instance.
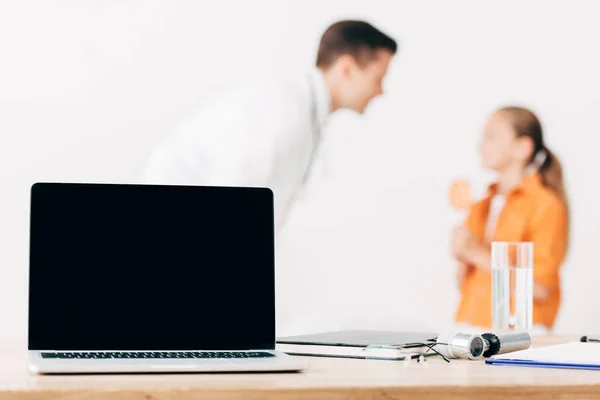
(261, 135)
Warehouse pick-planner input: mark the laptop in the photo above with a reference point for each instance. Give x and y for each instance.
(149, 278)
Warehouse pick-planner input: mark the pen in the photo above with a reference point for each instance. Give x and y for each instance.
(590, 339)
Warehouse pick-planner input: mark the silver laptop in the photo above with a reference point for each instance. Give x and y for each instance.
(146, 278)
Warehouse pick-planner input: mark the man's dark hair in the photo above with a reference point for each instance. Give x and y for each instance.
(358, 39)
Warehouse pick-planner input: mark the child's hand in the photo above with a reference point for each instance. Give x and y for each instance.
(466, 248)
(461, 274)
(460, 195)
(460, 241)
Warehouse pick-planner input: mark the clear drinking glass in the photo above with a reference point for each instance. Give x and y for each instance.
(512, 286)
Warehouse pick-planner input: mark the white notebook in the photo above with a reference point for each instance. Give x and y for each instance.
(575, 355)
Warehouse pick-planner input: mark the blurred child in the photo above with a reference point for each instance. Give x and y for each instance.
(528, 203)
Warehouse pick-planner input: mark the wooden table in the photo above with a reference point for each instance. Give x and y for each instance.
(327, 379)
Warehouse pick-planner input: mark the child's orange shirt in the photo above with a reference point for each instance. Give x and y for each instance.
(531, 213)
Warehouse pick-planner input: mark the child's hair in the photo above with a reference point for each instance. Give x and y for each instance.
(526, 124)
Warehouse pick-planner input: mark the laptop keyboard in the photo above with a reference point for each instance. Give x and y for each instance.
(159, 354)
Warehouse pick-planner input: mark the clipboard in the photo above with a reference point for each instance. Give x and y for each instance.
(574, 355)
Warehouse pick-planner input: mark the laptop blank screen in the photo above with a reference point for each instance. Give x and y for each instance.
(142, 267)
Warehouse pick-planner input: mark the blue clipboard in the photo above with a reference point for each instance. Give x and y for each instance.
(538, 364)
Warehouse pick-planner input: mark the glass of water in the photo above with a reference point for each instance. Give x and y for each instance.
(512, 286)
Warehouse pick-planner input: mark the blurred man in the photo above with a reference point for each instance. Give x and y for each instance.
(267, 136)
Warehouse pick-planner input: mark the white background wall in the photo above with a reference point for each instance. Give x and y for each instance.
(87, 88)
